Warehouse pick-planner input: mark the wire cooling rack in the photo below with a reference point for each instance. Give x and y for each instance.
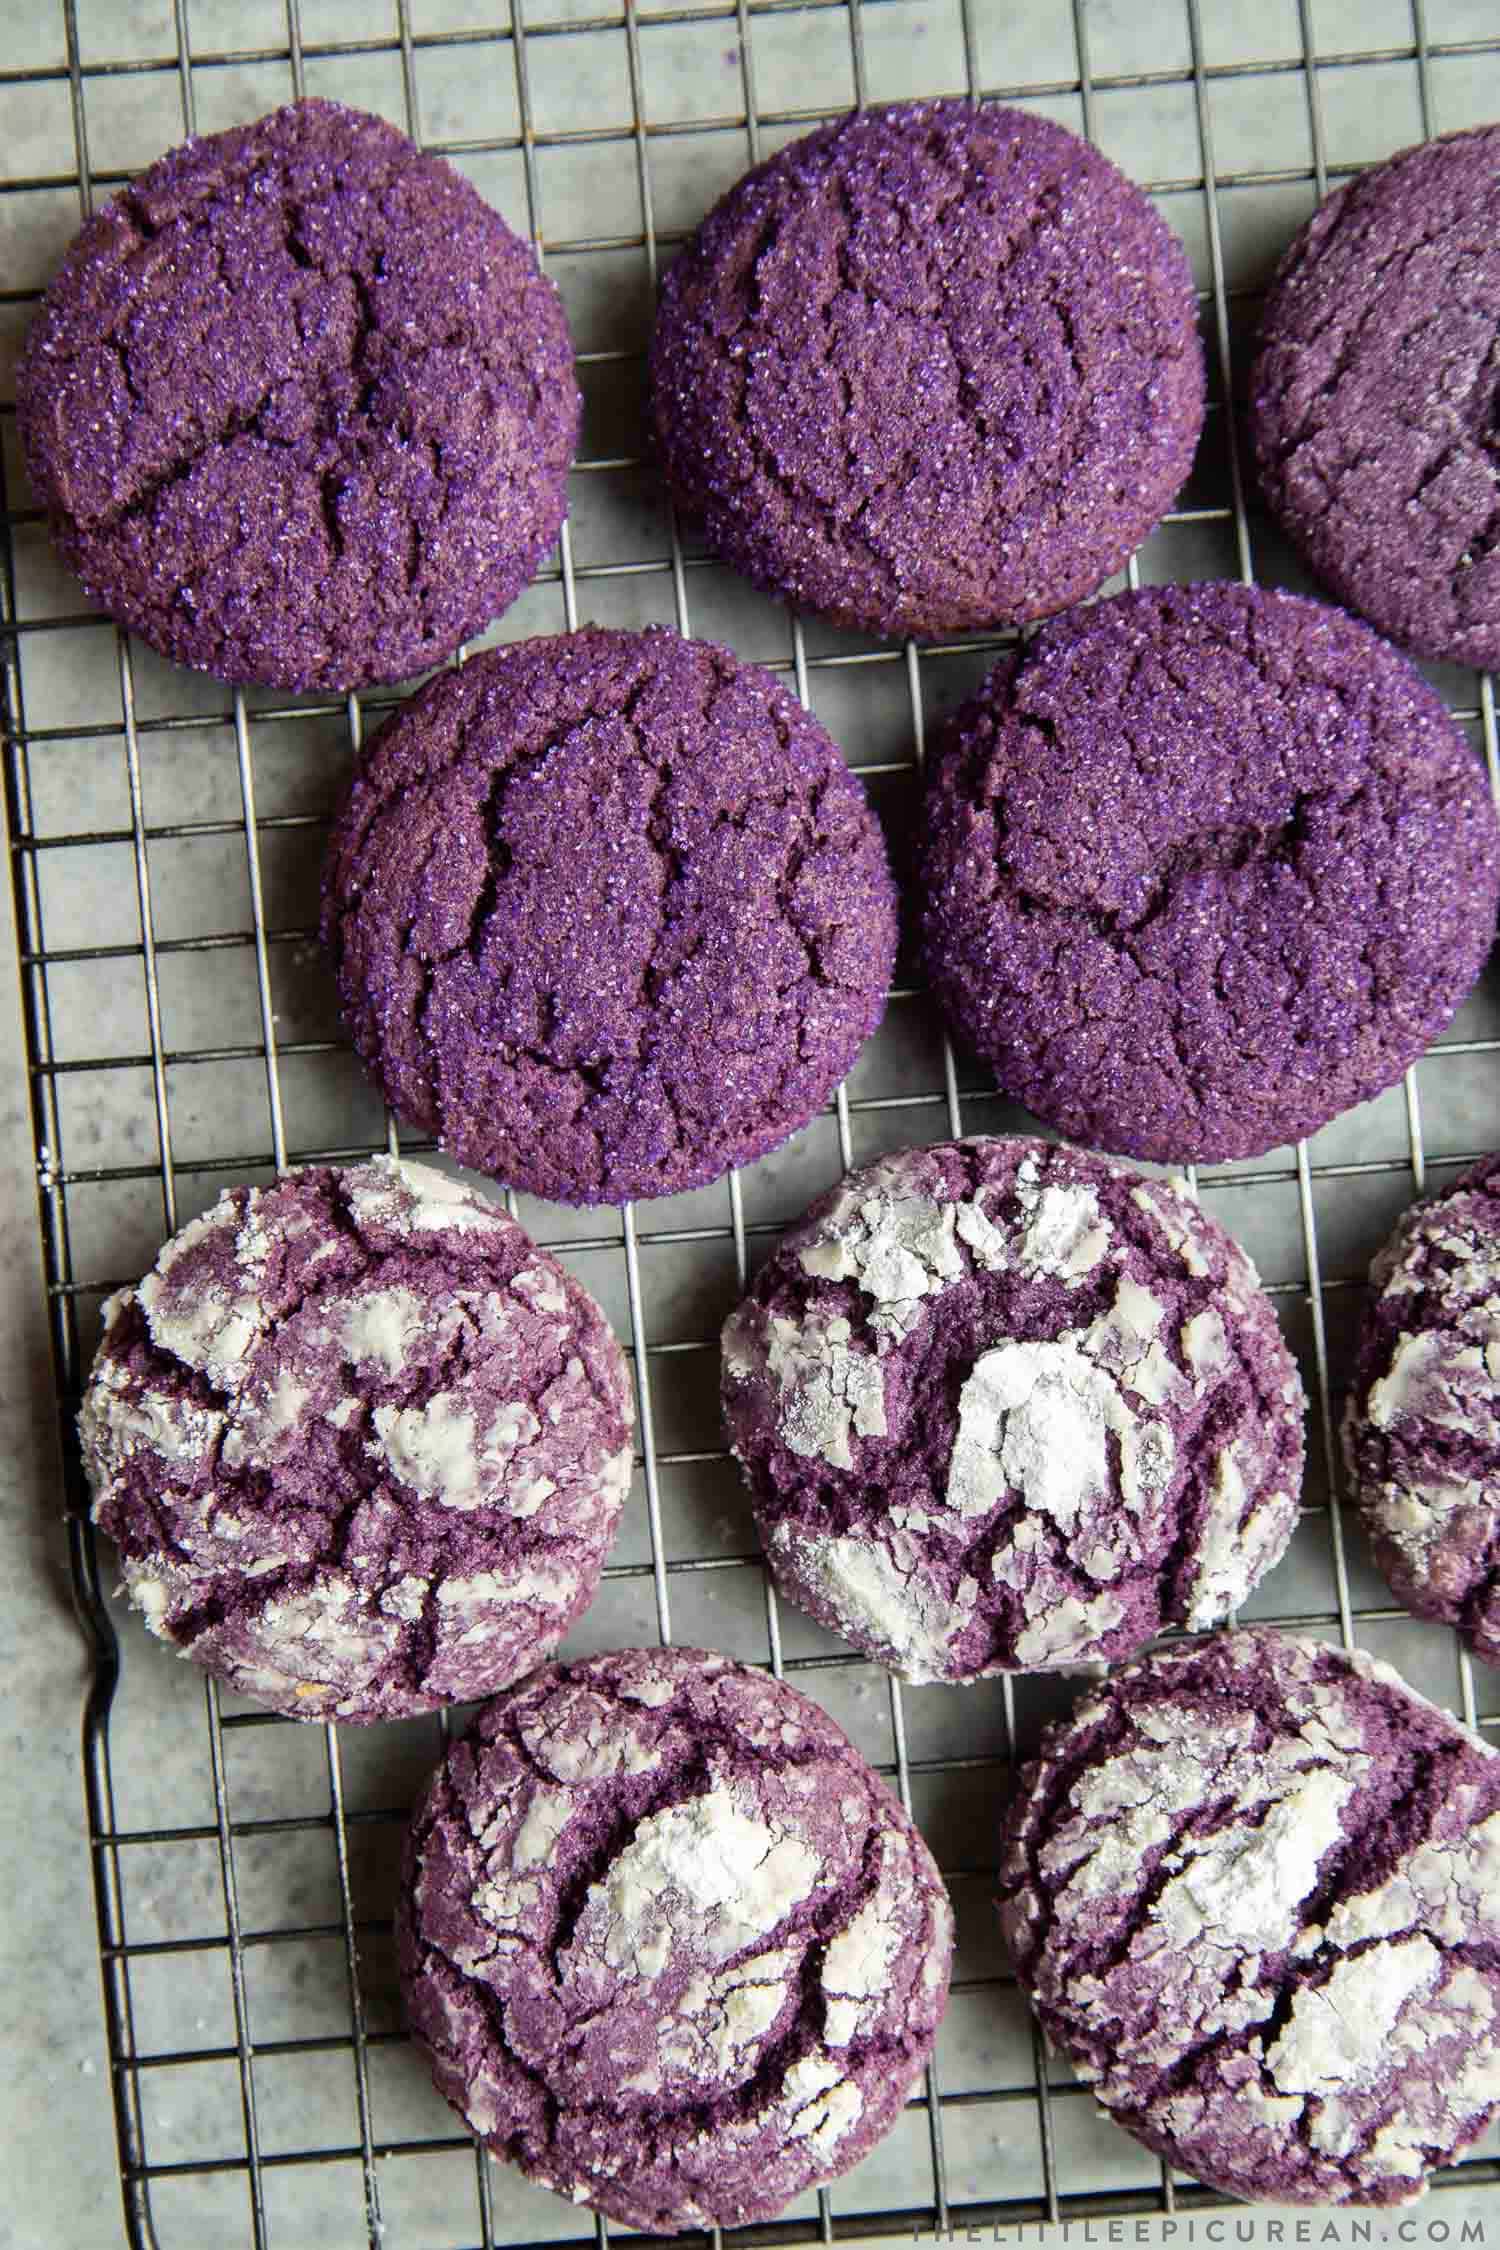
(165, 836)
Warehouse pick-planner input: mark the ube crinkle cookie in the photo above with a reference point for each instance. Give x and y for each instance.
(1005, 1406)
(1252, 1890)
(669, 1944)
(1422, 1428)
(934, 367)
(299, 404)
(678, 990)
(1376, 394)
(1202, 867)
(361, 1446)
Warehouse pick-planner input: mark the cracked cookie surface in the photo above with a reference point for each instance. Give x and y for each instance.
(935, 367)
(678, 992)
(1005, 1406)
(300, 406)
(1202, 867)
(1252, 1889)
(1375, 398)
(669, 1944)
(1422, 1427)
(360, 1444)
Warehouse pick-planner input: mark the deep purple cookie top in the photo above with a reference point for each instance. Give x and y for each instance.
(300, 405)
(360, 1444)
(1005, 1406)
(669, 1944)
(1422, 1428)
(1375, 401)
(1203, 866)
(1252, 1889)
(931, 368)
(679, 990)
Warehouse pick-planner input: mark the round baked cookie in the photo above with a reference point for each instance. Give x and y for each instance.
(668, 1943)
(360, 1444)
(678, 991)
(1252, 1890)
(1201, 867)
(1422, 1425)
(1375, 396)
(1004, 1406)
(299, 405)
(932, 368)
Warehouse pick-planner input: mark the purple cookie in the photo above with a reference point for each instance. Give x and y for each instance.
(1376, 396)
(931, 368)
(668, 1943)
(1202, 867)
(1004, 1406)
(300, 405)
(1422, 1427)
(1252, 1890)
(679, 990)
(361, 1446)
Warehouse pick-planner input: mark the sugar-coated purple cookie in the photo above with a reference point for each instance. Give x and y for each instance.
(1422, 1427)
(1202, 867)
(1252, 1890)
(931, 368)
(1376, 395)
(1005, 1406)
(669, 1944)
(360, 1444)
(299, 404)
(678, 990)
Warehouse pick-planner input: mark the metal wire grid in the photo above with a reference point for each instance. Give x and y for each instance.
(938, 1109)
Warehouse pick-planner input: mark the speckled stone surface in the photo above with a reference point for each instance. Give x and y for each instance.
(669, 1943)
(300, 406)
(1422, 1425)
(679, 991)
(1203, 867)
(932, 368)
(1253, 1891)
(360, 1445)
(1375, 400)
(1005, 1406)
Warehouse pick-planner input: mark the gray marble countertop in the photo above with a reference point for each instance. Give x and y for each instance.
(56, 2123)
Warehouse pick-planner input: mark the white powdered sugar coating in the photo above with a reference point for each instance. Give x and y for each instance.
(1452, 1383)
(1167, 1406)
(1337, 2034)
(720, 1962)
(211, 1330)
(1035, 1421)
(1237, 1543)
(1299, 1893)
(1171, 1216)
(1422, 1422)
(114, 1419)
(857, 1964)
(1068, 1632)
(415, 1199)
(902, 1248)
(1065, 1235)
(883, 1596)
(707, 1874)
(829, 1391)
(435, 1449)
(268, 1445)
(899, 1249)
(1032, 1423)
(387, 1325)
(720, 2021)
